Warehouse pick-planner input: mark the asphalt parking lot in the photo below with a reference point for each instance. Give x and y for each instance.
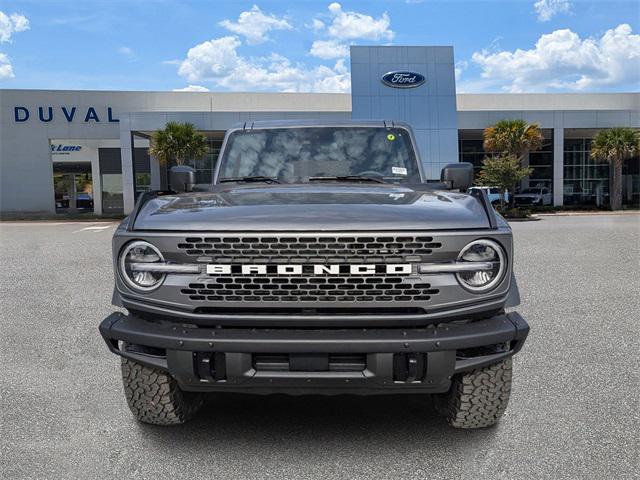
(574, 411)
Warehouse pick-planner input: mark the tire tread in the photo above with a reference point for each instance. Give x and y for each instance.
(154, 396)
(478, 398)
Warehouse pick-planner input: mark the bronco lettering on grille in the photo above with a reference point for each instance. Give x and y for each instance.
(306, 269)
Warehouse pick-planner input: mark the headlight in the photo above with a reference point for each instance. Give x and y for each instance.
(483, 280)
(135, 260)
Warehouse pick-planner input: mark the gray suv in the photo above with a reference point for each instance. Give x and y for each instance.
(319, 261)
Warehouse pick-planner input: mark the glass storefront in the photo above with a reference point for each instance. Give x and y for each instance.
(472, 151)
(541, 161)
(73, 187)
(205, 165)
(586, 181)
(141, 170)
(111, 180)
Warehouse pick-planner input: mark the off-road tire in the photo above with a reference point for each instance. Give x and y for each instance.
(154, 396)
(477, 398)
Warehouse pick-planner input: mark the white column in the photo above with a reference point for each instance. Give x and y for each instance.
(97, 183)
(126, 156)
(558, 166)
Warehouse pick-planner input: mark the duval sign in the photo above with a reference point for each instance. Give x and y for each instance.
(402, 79)
(47, 114)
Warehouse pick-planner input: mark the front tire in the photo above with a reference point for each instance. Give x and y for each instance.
(154, 396)
(477, 398)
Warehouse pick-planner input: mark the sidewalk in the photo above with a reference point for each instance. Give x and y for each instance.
(596, 212)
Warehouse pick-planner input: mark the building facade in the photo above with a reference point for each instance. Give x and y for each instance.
(63, 151)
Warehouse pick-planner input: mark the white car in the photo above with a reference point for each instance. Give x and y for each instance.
(534, 196)
(493, 193)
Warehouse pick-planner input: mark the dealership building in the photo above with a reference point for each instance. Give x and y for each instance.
(64, 151)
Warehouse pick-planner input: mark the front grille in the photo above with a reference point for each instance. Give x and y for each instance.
(310, 249)
(344, 288)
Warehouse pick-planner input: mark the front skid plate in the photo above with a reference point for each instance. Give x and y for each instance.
(439, 345)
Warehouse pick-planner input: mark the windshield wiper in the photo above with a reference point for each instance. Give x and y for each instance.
(346, 178)
(254, 178)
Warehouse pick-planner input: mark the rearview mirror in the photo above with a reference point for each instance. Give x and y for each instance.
(182, 178)
(458, 175)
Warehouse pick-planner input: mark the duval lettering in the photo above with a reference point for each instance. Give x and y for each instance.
(47, 114)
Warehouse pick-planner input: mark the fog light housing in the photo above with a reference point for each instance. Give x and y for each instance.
(480, 281)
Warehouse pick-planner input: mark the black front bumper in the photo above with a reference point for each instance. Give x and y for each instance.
(329, 361)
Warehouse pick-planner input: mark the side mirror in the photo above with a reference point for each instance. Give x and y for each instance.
(458, 175)
(182, 178)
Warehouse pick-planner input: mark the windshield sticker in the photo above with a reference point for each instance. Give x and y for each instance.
(398, 170)
(391, 137)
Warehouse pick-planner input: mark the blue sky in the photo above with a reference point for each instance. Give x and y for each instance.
(500, 46)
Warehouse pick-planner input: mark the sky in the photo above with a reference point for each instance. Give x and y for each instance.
(303, 45)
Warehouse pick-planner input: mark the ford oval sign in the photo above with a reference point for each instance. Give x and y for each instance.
(403, 79)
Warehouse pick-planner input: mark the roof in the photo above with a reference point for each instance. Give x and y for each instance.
(547, 101)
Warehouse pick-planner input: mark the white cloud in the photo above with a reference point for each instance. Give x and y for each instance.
(218, 61)
(561, 60)
(547, 9)
(317, 25)
(126, 51)
(192, 88)
(6, 70)
(346, 25)
(212, 59)
(10, 24)
(255, 24)
(351, 25)
(329, 49)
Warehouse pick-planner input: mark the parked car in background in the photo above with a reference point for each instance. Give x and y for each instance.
(534, 196)
(492, 192)
(84, 200)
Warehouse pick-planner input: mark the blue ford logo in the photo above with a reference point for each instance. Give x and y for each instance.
(403, 79)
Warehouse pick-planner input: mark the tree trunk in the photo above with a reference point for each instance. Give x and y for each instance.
(616, 194)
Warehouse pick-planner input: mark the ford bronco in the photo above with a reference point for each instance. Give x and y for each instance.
(319, 261)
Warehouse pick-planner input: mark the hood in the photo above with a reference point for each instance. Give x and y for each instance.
(312, 208)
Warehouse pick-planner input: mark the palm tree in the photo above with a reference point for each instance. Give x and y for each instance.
(512, 139)
(615, 145)
(179, 142)
(515, 138)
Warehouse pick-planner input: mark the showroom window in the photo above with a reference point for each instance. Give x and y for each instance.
(542, 163)
(111, 180)
(472, 151)
(586, 181)
(205, 165)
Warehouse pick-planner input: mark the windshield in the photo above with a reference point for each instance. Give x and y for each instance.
(535, 191)
(293, 155)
